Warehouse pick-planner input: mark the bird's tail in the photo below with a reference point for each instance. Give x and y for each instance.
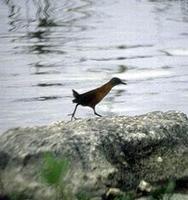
(76, 96)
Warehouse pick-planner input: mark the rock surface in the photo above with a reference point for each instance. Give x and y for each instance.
(107, 152)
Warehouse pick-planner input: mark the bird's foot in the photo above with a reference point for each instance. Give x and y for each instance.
(98, 114)
(73, 117)
(76, 118)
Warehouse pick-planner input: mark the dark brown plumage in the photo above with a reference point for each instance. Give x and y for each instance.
(93, 97)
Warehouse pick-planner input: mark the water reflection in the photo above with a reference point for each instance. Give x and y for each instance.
(43, 13)
(164, 6)
(48, 84)
(14, 12)
(122, 68)
(122, 58)
(42, 98)
(38, 21)
(184, 8)
(46, 72)
(46, 13)
(42, 31)
(50, 47)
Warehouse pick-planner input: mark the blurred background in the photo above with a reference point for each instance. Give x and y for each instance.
(50, 47)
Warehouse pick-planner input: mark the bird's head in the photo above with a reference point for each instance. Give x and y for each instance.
(117, 81)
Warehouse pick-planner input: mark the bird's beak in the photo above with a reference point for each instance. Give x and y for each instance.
(123, 83)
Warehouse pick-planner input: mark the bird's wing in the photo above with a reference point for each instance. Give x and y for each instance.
(93, 97)
(88, 97)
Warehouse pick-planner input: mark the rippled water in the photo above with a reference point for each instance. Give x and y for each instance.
(50, 47)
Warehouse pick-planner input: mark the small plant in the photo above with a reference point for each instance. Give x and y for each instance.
(164, 192)
(53, 173)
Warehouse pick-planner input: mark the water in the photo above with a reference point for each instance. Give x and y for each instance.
(50, 47)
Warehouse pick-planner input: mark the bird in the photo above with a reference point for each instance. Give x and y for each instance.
(93, 97)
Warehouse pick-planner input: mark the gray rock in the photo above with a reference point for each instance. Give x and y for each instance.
(107, 152)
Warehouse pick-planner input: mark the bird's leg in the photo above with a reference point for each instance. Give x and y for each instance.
(72, 115)
(96, 112)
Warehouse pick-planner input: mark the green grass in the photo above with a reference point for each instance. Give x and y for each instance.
(54, 169)
(53, 173)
